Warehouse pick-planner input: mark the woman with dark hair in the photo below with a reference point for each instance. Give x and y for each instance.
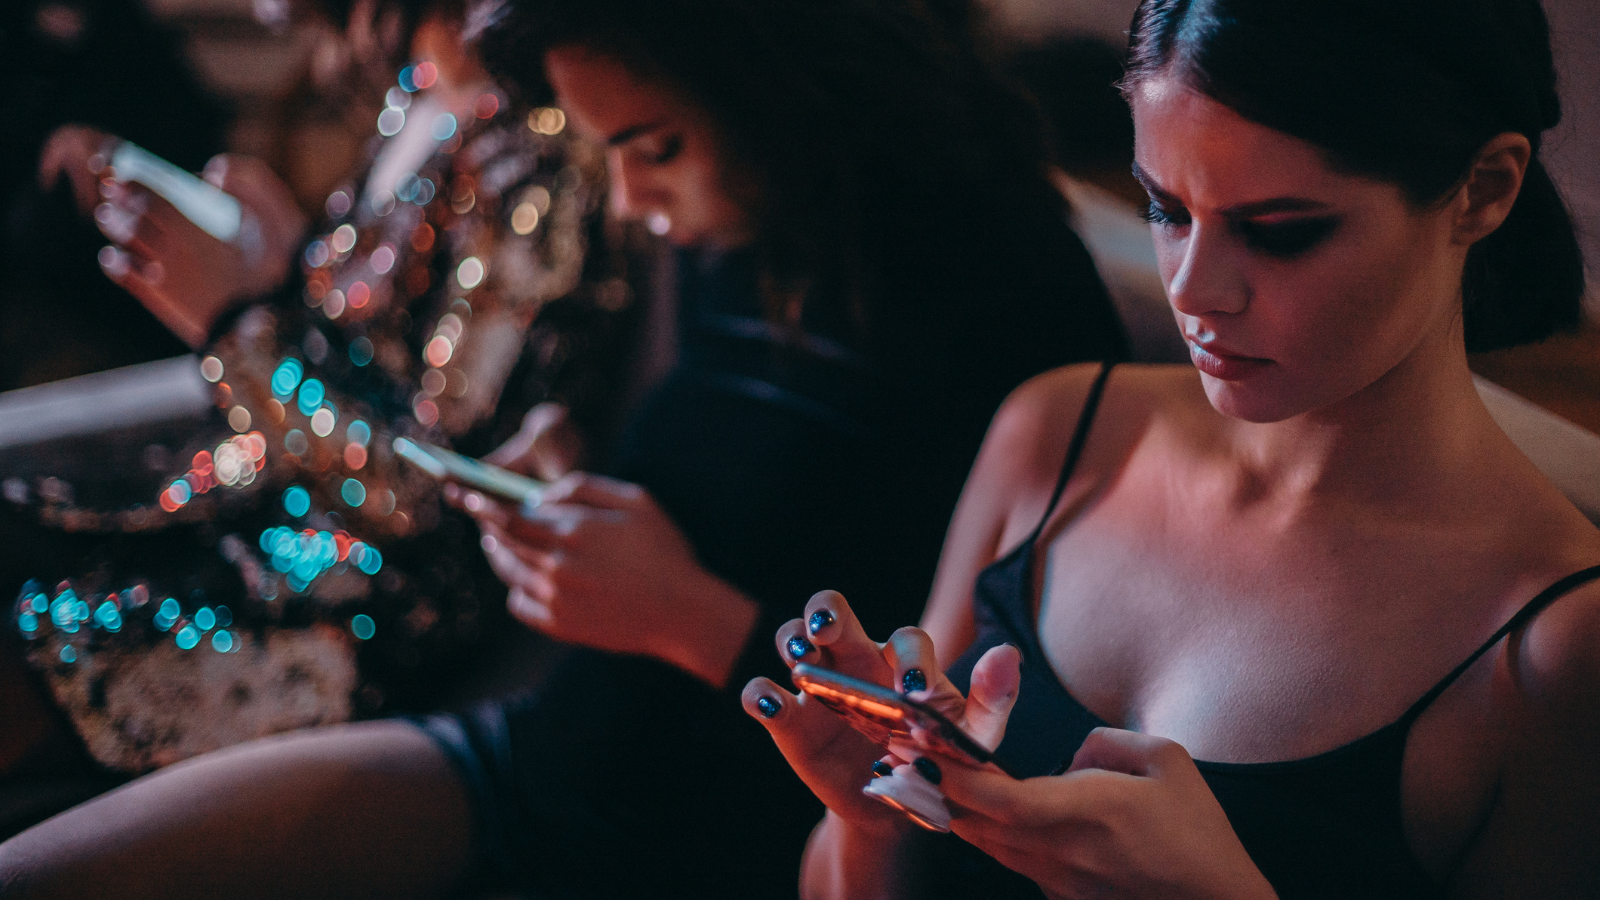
(870, 256)
(1303, 623)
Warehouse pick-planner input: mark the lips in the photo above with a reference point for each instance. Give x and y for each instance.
(1219, 362)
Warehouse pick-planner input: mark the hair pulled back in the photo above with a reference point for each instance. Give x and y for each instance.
(880, 140)
(1408, 92)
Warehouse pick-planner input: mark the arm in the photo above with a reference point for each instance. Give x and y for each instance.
(1539, 839)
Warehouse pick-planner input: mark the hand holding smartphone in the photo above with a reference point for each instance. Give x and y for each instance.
(207, 206)
(885, 716)
(447, 465)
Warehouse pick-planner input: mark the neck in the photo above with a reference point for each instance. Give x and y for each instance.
(1397, 441)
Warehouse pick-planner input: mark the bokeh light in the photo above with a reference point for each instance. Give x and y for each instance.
(297, 501)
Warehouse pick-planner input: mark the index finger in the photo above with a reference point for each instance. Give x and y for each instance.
(831, 624)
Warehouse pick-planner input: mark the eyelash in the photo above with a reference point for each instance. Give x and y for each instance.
(670, 148)
(1284, 241)
(1156, 214)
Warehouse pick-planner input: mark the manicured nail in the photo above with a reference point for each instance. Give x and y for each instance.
(819, 620)
(768, 707)
(799, 646)
(881, 769)
(914, 680)
(928, 769)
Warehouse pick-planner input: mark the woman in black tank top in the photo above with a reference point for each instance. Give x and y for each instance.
(1302, 623)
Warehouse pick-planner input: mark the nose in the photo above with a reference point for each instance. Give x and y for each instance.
(622, 200)
(1207, 278)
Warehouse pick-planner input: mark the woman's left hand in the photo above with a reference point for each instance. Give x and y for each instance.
(599, 563)
(1132, 817)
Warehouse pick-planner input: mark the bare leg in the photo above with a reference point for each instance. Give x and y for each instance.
(367, 810)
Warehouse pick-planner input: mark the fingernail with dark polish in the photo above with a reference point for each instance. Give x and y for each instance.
(881, 769)
(768, 707)
(799, 646)
(928, 769)
(914, 680)
(819, 620)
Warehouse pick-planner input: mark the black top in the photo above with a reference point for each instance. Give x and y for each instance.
(1329, 825)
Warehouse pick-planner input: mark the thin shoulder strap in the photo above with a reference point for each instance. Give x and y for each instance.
(1080, 436)
(1524, 615)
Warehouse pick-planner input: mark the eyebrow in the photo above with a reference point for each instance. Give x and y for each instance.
(631, 132)
(1238, 211)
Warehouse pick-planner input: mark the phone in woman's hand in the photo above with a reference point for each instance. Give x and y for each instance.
(447, 465)
(201, 202)
(883, 715)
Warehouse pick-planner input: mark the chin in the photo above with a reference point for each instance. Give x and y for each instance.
(1250, 402)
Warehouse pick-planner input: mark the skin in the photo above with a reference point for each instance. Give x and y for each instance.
(184, 276)
(367, 810)
(1246, 564)
(663, 152)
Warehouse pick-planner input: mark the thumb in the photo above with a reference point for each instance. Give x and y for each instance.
(597, 491)
(995, 680)
(255, 185)
(1128, 752)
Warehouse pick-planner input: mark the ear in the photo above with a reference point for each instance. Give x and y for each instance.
(1491, 187)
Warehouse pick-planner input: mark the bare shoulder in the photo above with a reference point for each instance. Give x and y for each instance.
(1540, 838)
(1027, 443)
(1040, 416)
(1557, 660)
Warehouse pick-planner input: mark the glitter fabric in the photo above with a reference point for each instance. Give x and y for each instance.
(439, 301)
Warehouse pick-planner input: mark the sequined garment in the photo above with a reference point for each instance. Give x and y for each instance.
(460, 280)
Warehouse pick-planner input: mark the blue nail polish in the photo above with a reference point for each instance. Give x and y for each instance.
(768, 707)
(881, 769)
(914, 680)
(819, 620)
(928, 769)
(799, 646)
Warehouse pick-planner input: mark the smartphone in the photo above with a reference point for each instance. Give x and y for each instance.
(201, 202)
(883, 715)
(447, 465)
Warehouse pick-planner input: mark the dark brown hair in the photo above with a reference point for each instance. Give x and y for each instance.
(885, 150)
(1407, 91)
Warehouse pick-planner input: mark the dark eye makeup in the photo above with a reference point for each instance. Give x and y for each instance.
(1157, 214)
(1280, 239)
(1286, 239)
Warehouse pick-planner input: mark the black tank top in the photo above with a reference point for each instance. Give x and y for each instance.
(1325, 826)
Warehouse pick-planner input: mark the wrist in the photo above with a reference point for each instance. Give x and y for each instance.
(714, 621)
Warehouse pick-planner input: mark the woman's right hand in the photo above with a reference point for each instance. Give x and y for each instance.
(547, 446)
(183, 275)
(834, 759)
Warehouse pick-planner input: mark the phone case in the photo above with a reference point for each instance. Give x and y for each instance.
(883, 715)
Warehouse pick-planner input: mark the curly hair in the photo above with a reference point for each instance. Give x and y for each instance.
(889, 158)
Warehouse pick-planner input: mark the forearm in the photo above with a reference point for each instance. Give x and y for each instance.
(715, 623)
(845, 862)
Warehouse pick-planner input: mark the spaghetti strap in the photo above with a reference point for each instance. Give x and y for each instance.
(1080, 436)
(1524, 615)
